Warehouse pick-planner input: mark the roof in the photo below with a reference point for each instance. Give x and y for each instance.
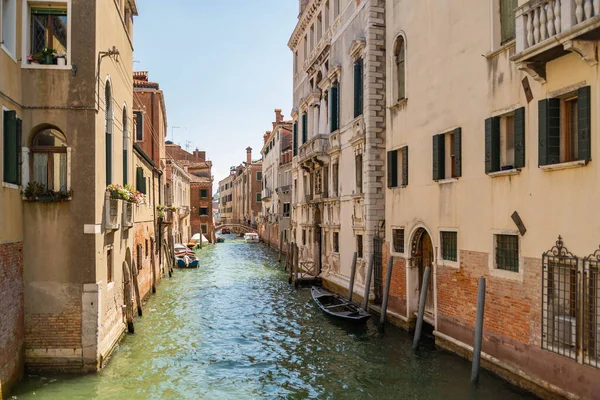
(138, 149)
(140, 80)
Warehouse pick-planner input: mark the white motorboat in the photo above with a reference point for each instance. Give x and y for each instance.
(251, 237)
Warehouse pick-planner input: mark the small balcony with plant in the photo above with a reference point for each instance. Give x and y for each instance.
(116, 193)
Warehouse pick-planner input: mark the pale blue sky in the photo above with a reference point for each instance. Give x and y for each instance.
(223, 65)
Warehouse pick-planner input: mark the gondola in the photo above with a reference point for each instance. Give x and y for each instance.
(338, 307)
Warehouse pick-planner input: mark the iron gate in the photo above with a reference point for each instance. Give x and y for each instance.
(591, 309)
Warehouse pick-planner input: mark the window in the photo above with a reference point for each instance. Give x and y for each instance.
(335, 177)
(48, 29)
(49, 163)
(305, 47)
(334, 107)
(358, 167)
(505, 141)
(258, 197)
(125, 145)
(507, 252)
(140, 180)
(146, 247)
(109, 266)
(304, 128)
(286, 209)
(507, 20)
(447, 155)
(204, 228)
(295, 139)
(336, 242)
(139, 256)
(139, 125)
(449, 245)
(398, 240)
(564, 128)
(8, 36)
(11, 147)
(303, 237)
(359, 246)
(203, 211)
(259, 176)
(203, 193)
(358, 87)
(399, 58)
(397, 165)
(108, 114)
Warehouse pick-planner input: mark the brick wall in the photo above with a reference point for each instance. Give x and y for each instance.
(12, 320)
(56, 331)
(397, 299)
(144, 234)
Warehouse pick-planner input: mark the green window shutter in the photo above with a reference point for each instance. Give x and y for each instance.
(139, 179)
(333, 108)
(295, 139)
(358, 88)
(108, 140)
(10, 146)
(457, 152)
(404, 165)
(584, 123)
(549, 132)
(492, 145)
(304, 128)
(520, 137)
(439, 148)
(125, 167)
(392, 172)
(19, 150)
(507, 19)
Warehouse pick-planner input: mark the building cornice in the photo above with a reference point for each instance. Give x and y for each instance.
(303, 21)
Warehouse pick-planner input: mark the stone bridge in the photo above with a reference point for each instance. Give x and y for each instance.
(236, 227)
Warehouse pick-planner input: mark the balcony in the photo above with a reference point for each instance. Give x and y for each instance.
(183, 211)
(314, 151)
(266, 194)
(284, 188)
(549, 29)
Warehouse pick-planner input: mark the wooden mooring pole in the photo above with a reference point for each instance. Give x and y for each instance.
(291, 266)
(421, 314)
(136, 288)
(296, 265)
(352, 277)
(386, 292)
(280, 246)
(365, 304)
(478, 331)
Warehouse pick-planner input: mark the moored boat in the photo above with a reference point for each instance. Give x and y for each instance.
(225, 231)
(251, 237)
(184, 257)
(338, 307)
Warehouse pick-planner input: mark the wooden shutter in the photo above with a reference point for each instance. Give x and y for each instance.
(584, 123)
(333, 107)
(492, 145)
(304, 128)
(404, 165)
(19, 150)
(139, 126)
(108, 140)
(392, 172)
(295, 139)
(10, 144)
(438, 157)
(358, 88)
(139, 179)
(457, 152)
(520, 137)
(507, 19)
(125, 167)
(549, 132)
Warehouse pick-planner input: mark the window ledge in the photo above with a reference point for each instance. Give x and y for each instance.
(399, 104)
(448, 264)
(46, 66)
(446, 181)
(565, 165)
(507, 172)
(508, 275)
(502, 48)
(10, 186)
(9, 53)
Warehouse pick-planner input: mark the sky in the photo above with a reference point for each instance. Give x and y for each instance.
(224, 67)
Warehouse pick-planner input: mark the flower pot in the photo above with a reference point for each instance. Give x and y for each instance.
(49, 60)
(46, 199)
(61, 61)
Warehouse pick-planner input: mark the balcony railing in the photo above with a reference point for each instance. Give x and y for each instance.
(284, 188)
(183, 211)
(266, 194)
(316, 146)
(548, 29)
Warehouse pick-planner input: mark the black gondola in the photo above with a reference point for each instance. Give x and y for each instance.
(338, 307)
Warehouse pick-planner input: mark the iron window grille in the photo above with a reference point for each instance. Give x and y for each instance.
(449, 246)
(336, 242)
(398, 240)
(507, 252)
(591, 309)
(359, 246)
(560, 308)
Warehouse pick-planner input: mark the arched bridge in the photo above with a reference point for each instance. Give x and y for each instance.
(237, 227)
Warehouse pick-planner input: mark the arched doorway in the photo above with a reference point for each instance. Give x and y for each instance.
(317, 241)
(422, 256)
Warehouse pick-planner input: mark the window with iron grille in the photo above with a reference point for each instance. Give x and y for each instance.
(359, 246)
(398, 240)
(109, 262)
(449, 245)
(336, 242)
(507, 252)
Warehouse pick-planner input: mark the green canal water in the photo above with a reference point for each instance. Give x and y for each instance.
(234, 329)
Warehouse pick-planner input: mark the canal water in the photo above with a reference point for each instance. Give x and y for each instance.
(234, 329)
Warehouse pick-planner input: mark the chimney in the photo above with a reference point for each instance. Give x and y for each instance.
(249, 155)
(200, 154)
(266, 136)
(278, 115)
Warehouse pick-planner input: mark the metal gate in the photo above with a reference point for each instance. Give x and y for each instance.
(378, 266)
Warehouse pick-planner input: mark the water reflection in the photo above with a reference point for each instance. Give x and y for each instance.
(234, 329)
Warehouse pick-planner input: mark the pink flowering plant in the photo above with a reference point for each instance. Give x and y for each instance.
(126, 193)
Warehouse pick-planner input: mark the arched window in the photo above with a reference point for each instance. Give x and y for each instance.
(125, 146)
(108, 111)
(400, 59)
(49, 165)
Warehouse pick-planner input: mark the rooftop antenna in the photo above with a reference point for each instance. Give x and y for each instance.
(187, 145)
(172, 134)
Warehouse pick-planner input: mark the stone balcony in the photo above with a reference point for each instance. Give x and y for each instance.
(314, 152)
(266, 194)
(549, 29)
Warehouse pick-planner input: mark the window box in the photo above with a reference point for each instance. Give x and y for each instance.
(111, 213)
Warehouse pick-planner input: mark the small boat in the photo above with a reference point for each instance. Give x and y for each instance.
(220, 239)
(225, 231)
(338, 307)
(251, 237)
(184, 257)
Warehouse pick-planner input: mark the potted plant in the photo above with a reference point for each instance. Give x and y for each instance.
(46, 56)
(31, 59)
(61, 58)
(33, 190)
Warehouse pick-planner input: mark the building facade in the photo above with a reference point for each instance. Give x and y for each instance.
(276, 181)
(338, 196)
(226, 197)
(493, 183)
(177, 203)
(60, 110)
(247, 190)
